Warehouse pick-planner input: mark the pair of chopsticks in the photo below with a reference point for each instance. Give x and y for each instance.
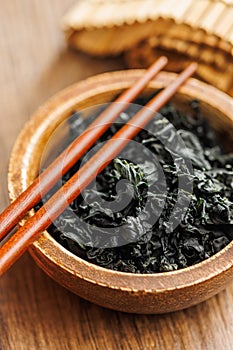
(17, 244)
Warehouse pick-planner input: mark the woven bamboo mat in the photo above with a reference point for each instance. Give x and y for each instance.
(143, 29)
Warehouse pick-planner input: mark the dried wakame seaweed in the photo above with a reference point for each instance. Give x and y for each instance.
(116, 213)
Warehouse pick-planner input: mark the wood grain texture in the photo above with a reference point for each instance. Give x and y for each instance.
(35, 312)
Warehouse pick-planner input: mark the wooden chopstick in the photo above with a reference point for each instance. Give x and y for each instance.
(45, 216)
(10, 217)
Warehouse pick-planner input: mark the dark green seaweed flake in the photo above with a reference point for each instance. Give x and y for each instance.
(207, 225)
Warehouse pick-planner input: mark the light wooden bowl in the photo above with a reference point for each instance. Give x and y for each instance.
(137, 293)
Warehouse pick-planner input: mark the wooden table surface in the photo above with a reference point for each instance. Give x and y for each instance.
(35, 312)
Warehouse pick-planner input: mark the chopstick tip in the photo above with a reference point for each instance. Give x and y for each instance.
(159, 64)
(163, 59)
(193, 66)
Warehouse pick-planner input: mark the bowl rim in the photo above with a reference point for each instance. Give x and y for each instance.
(64, 102)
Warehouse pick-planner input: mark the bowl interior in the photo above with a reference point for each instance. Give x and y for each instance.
(28, 153)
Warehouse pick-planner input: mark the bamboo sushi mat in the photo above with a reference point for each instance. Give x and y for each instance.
(144, 29)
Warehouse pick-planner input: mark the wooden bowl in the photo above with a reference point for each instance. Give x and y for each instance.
(137, 293)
